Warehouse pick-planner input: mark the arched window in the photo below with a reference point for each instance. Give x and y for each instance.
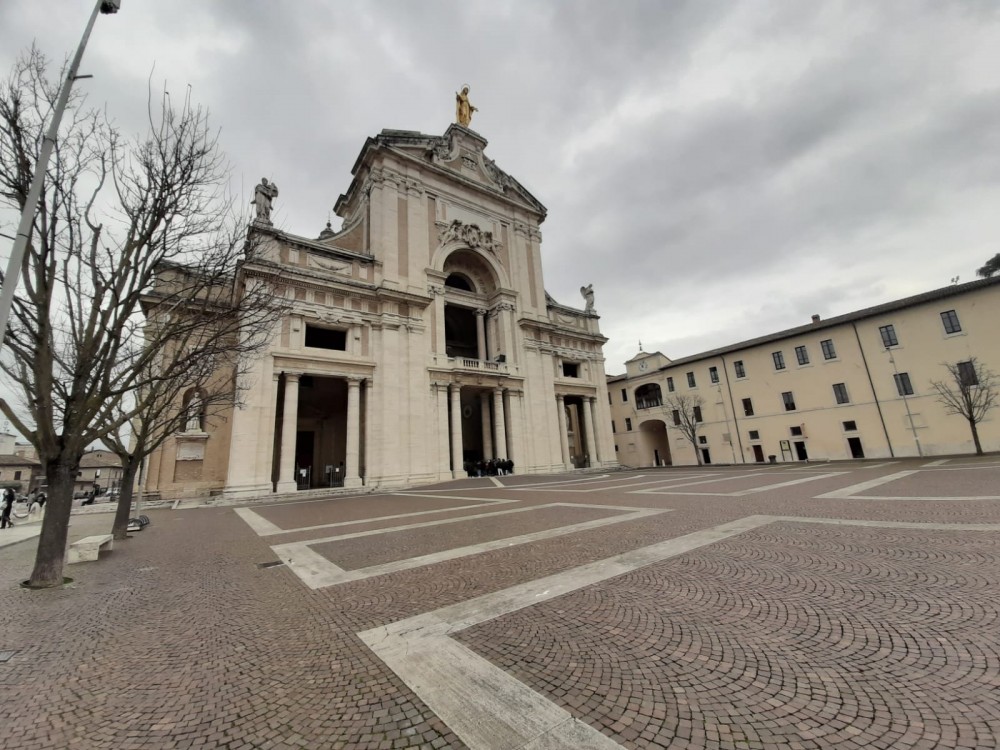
(647, 396)
(456, 281)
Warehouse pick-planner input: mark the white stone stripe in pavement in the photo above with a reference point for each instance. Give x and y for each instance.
(489, 709)
(853, 489)
(486, 707)
(317, 572)
(263, 527)
(740, 493)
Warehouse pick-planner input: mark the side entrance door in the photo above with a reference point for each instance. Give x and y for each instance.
(800, 451)
(758, 454)
(856, 450)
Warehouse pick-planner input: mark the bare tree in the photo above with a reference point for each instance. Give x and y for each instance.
(970, 391)
(687, 418)
(113, 214)
(207, 327)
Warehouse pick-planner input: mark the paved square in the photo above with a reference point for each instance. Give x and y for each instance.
(849, 605)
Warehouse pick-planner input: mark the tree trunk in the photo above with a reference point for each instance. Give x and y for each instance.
(975, 437)
(51, 553)
(129, 468)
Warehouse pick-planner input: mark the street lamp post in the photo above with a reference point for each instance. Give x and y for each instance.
(13, 274)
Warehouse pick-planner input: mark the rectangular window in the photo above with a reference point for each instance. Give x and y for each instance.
(755, 434)
(829, 352)
(850, 426)
(17, 475)
(703, 440)
(697, 413)
(748, 407)
(888, 334)
(903, 385)
(326, 338)
(609, 397)
(802, 355)
(779, 360)
(571, 369)
(796, 431)
(739, 369)
(628, 425)
(677, 416)
(691, 383)
(713, 374)
(624, 395)
(840, 393)
(967, 374)
(613, 428)
(670, 384)
(788, 400)
(950, 321)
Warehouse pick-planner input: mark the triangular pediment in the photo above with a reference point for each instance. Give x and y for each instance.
(460, 151)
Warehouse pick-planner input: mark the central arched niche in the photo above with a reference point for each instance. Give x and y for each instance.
(468, 267)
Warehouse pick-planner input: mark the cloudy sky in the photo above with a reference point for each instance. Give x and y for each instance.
(718, 170)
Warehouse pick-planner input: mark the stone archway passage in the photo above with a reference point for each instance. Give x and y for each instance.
(654, 443)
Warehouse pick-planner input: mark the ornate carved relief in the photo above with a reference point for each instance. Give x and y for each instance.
(471, 235)
(413, 187)
(496, 174)
(326, 264)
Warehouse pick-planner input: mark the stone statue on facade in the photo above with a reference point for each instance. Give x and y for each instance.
(193, 421)
(588, 295)
(263, 195)
(463, 107)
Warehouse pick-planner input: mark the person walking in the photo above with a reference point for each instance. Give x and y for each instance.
(7, 505)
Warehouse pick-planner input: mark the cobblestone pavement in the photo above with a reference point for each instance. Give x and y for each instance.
(849, 605)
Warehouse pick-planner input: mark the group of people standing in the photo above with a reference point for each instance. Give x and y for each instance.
(489, 468)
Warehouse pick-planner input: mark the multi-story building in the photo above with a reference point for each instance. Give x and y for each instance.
(853, 386)
(420, 339)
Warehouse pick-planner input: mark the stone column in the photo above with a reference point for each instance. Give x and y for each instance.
(484, 408)
(499, 425)
(481, 333)
(563, 440)
(588, 431)
(444, 451)
(352, 477)
(455, 392)
(591, 408)
(289, 428)
(511, 423)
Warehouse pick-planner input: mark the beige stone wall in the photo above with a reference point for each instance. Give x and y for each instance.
(862, 364)
(381, 280)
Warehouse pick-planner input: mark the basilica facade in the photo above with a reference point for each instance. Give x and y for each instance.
(420, 340)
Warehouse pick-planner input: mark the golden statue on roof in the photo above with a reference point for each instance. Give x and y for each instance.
(463, 107)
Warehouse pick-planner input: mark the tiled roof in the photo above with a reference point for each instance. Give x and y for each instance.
(11, 460)
(868, 312)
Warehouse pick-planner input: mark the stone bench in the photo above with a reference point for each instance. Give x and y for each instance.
(89, 548)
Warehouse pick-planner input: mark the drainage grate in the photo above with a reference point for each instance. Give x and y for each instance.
(272, 564)
(6, 656)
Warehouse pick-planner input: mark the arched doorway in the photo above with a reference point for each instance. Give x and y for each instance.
(654, 445)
